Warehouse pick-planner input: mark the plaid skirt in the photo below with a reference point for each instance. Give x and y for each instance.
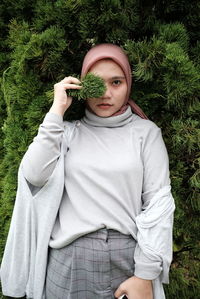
(91, 267)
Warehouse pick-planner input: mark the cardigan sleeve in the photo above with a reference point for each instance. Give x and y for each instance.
(156, 176)
(41, 157)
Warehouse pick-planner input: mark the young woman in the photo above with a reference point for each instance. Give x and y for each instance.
(113, 231)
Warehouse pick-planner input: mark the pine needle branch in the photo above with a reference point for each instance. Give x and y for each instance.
(93, 86)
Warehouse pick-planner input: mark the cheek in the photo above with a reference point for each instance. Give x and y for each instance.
(90, 102)
(124, 93)
(121, 94)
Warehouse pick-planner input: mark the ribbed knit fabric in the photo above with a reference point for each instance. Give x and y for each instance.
(113, 166)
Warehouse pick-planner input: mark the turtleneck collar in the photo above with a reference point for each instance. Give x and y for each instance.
(108, 122)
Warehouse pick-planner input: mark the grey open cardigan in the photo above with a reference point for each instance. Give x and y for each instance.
(23, 268)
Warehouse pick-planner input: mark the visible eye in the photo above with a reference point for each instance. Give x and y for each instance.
(116, 82)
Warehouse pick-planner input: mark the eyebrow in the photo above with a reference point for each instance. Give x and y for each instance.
(118, 77)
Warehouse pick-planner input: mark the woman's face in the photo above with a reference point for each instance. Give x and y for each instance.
(116, 88)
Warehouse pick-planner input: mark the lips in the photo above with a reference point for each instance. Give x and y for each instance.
(105, 105)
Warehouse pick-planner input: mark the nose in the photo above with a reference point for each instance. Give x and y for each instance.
(107, 93)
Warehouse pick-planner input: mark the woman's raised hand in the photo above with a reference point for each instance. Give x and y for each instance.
(61, 100)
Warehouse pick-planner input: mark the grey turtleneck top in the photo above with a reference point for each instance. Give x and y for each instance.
(114, 166)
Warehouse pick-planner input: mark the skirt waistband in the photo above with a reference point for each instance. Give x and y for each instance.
(105, 234)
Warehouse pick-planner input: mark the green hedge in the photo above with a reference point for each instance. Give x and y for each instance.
(43, 41)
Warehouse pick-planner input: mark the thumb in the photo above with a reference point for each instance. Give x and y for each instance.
(69, 100)
(119, 293)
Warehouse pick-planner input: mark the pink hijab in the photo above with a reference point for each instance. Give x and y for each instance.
(115, 53)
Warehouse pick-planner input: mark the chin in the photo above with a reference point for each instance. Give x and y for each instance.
(104, 113)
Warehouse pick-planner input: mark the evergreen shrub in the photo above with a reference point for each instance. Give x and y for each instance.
(41, 42)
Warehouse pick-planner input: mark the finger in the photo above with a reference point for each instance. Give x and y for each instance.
(57, 86)
(71, 80)
(72, 86)
(119, 293)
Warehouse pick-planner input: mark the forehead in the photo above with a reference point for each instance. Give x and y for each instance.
(106, 66)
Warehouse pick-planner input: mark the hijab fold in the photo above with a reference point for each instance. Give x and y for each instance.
(114, 52)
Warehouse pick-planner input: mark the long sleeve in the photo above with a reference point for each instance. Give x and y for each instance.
(23, 267)
(41, 157)
(156, 176)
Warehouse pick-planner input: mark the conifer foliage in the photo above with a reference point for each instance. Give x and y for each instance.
(41, 42)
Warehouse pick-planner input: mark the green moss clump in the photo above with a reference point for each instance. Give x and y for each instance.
(93, 86)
